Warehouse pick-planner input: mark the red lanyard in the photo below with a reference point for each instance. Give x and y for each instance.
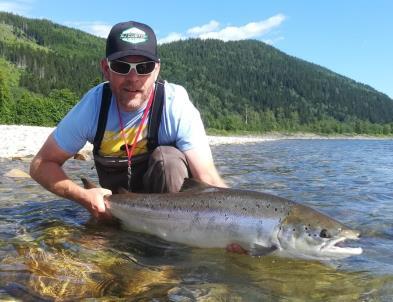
(130, 152)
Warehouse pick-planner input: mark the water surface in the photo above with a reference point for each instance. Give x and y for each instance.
(50, 249)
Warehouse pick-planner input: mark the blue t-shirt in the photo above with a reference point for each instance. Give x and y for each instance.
(180, 124)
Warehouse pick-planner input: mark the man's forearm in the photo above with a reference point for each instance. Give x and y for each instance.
(53, 178)
(212, 178)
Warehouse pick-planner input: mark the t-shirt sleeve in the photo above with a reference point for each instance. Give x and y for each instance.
(184, 123)
(80, 124)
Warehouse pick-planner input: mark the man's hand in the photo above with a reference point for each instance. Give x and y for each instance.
(46, 169)
(98, 204)
(236, 248)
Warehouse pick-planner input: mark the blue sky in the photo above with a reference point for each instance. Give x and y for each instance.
(351, 37)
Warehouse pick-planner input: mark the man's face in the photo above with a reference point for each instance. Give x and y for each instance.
(131, 90)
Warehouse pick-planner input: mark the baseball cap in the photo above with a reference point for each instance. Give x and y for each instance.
(130, 39)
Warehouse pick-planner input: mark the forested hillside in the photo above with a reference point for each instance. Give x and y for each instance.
(248, 84)
(245, 85)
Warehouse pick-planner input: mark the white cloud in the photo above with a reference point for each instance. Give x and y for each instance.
(95, 28)
(211, 26)
(252, 30)
(248, 31)
(171, 38)
(273, 41)
(20, 7)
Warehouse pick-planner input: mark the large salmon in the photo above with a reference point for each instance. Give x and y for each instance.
(210, 217)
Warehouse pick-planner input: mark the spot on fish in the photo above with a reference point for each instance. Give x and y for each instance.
(244, 209)
(196, 219)
(210, 223)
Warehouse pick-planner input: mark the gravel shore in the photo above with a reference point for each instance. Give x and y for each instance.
(21, 141)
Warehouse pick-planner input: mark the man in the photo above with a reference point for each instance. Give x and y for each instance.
(147, 135)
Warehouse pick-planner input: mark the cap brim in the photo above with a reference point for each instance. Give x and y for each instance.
(134, 52)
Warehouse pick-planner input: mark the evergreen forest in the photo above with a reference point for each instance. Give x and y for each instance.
(238, 86)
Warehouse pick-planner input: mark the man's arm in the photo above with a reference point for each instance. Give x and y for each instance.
(46, 169)
(202, 167)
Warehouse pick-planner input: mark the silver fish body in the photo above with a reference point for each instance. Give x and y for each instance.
(210, 217)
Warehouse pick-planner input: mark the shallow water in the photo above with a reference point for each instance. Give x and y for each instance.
(50, 249)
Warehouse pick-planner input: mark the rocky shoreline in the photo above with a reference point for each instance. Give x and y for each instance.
(25, 141)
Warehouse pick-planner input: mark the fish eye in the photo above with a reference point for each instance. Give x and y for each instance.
(324, 234)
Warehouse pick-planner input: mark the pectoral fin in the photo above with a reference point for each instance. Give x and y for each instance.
(254, 250)
(259, 250)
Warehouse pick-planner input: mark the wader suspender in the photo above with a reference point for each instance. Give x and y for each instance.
(154, 116)
(105, 103)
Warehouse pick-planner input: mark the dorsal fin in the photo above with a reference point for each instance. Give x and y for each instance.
(191, 184)
(121, 190)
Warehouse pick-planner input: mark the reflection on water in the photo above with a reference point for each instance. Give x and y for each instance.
(50, 249)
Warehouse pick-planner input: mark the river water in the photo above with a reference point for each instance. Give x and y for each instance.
(50, 249)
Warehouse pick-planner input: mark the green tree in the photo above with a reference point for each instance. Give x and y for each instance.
(6, 110)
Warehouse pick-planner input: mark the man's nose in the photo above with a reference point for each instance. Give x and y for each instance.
(133, 73)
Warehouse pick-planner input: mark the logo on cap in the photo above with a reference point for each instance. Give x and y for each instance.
(134, 35)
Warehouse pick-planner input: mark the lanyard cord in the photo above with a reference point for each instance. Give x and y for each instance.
(130, 152)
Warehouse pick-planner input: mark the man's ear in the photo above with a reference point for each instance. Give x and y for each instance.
(105, 68)
(157, 71)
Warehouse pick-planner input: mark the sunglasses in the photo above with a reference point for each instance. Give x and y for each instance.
(124, 68)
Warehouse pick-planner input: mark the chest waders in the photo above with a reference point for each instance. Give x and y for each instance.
(112, 170)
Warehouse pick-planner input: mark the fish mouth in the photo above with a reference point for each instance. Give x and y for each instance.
(336, 247)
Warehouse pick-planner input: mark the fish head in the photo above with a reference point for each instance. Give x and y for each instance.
(308, 234)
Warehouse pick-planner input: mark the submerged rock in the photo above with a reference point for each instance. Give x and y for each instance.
(83, 155)
(17, 173)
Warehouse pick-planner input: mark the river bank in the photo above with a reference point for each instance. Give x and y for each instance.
(24, 141)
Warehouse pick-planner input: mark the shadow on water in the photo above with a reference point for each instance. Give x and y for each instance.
(51, 250)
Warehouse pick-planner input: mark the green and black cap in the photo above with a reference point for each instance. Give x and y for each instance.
(131, 39)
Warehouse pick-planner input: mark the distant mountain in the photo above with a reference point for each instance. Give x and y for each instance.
(250, 77)
(243, 85)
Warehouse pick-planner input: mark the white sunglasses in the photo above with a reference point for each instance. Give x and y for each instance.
(124, 68)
